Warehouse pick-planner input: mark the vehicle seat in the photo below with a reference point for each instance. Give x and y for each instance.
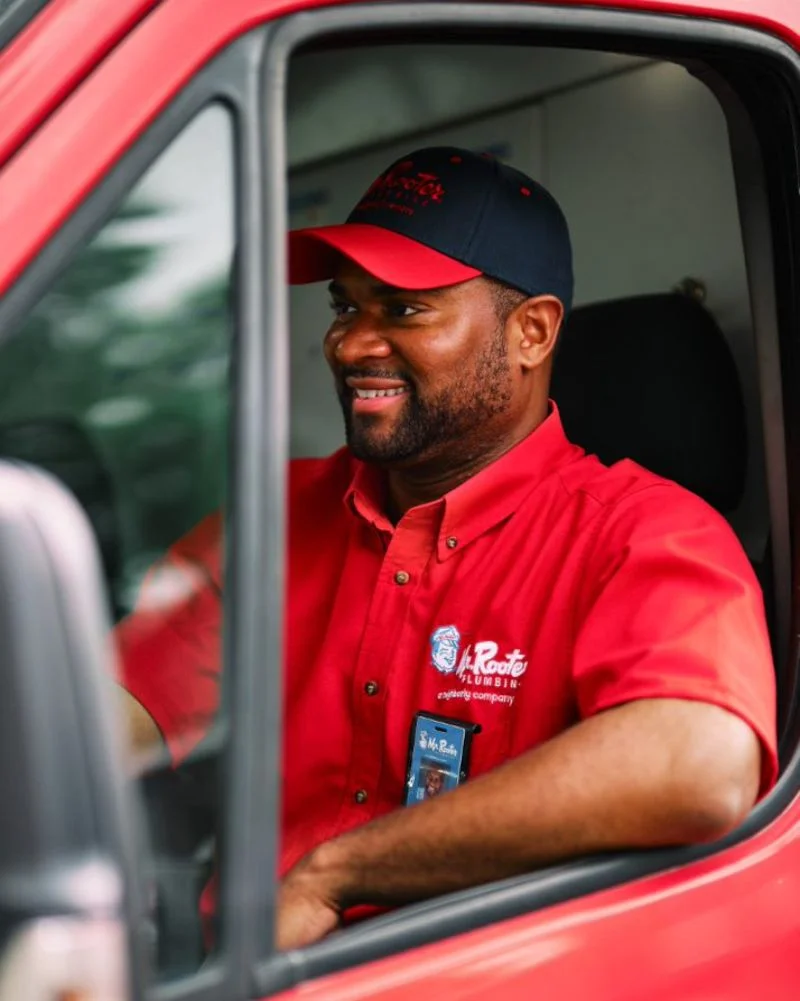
(652, 379)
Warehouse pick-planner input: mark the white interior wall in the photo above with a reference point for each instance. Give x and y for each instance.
(639, 160)
(341, 100)
(641, 165)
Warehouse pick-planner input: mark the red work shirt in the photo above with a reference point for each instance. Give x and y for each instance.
(543, 590)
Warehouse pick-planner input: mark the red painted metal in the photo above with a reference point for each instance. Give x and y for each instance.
(72, 35)
(725, 928)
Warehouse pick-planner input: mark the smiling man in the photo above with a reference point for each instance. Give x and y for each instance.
(581, 648)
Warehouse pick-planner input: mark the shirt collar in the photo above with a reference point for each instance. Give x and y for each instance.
(484, 500)
(366, 495)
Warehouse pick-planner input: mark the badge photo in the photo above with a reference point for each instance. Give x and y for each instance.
(438, 756)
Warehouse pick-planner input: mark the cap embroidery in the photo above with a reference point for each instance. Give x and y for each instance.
(400, 185)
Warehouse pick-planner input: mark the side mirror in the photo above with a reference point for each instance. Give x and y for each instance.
(62, 446)
(68, 883)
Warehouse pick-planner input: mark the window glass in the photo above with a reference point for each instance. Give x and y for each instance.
(117, 385)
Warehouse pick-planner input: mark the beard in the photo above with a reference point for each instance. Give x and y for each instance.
(454, 419)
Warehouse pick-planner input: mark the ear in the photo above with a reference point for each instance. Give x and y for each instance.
(533, 329)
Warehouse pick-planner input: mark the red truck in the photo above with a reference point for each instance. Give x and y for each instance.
(140, 142)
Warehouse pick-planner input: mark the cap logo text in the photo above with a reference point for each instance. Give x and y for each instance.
(401, 189)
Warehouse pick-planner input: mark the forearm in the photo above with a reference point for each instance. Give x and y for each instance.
(144, 746)
(608, 783)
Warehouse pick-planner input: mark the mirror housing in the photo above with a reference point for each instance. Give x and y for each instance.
(68, 887)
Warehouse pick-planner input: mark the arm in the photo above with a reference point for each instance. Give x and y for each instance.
(169, 649)
(647, 773)
(144, 738)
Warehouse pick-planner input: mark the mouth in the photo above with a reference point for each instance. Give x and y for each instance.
(372, 396)
(375, 401)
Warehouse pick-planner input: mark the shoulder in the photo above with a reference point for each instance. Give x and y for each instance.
(642, 514)
(628, 492)
(312, 482)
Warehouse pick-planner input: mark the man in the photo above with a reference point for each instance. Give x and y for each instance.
(595, 635)
(434, 782)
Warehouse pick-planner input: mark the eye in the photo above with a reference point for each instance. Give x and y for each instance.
(341, 308)
(401, 310)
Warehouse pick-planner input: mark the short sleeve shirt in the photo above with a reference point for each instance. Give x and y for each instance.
(543, 590)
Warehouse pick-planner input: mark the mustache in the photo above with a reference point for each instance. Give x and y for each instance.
(346, 371)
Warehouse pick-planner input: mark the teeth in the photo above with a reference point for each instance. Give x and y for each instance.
(371, 394)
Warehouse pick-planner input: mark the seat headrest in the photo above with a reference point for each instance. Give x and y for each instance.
(652, 379)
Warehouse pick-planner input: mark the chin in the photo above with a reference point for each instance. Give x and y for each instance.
(391, 460)
(373, 452)
(379, 451)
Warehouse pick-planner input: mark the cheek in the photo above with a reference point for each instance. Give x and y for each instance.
(329, 345)
(466, 334)
(449, 359)
(438, 355)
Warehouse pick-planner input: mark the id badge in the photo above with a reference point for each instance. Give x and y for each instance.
(438, 756)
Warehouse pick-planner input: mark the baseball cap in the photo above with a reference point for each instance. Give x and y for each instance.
(443, 215)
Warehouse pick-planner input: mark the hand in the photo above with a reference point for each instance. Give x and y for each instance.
(305, 913)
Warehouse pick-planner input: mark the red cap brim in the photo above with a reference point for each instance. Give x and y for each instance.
(315, 254)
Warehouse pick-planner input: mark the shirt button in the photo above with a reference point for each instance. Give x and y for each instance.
(401, 577)
(372, 688)
(452, 542)
(360, 796)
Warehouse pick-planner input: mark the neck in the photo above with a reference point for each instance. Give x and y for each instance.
(428, 481)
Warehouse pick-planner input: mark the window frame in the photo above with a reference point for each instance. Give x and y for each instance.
(645, 33)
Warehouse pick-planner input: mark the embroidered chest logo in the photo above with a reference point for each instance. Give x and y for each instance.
(484, 673)
(445, 642)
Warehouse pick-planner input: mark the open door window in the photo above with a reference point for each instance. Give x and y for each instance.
(683, 256)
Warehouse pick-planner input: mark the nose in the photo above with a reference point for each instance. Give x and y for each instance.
(358, 342)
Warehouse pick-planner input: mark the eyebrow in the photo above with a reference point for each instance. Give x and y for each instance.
(383, 290)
